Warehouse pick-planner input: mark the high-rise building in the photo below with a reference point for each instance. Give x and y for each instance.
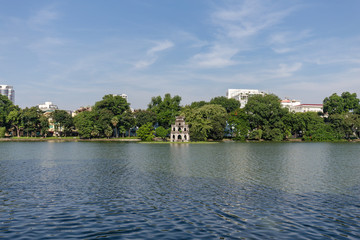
(8, 91)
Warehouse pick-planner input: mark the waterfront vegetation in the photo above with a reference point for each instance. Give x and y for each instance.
(262, 119)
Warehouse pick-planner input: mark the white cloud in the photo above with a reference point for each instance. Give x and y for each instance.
(43, 17)
(282, 50)
(152, 54)
(160, 46)
(46, 45)
(286, 70)
(249, 18)
(218, 57)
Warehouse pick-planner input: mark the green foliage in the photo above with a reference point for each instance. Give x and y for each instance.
(146, 132)
(143, 116)
(14, 120)
(115, 122)
(162, 132)
(6, 106)
(322, 132)
(63, 121)
(229, 104)
(127, 120)
(255, 134)
(345, 103)
(274, 134)
(239, 124)
(84, 123)
(2, 132)
(205, 122)
(264, 111)
(108, 131)
(115, 104)
(165, 109)
(198, 104)
(31, 121)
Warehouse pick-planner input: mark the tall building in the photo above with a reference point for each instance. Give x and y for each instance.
(8, 91)
(242, 95)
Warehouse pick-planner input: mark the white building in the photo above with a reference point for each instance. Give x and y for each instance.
(290, 104)
(123, 95)
(8, 91)
(242, 95)
(309, 108)
(296, 106)
(48, 107)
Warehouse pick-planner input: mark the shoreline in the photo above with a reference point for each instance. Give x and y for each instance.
(67, 140)
(138, 140)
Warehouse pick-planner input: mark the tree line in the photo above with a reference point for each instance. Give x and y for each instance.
(263, 118)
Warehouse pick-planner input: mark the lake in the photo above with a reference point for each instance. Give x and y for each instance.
(99, 190)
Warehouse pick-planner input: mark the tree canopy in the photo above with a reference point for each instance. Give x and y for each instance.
(165, 109)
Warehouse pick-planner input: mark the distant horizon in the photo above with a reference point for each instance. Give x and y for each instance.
(181, 103)
(72, 53)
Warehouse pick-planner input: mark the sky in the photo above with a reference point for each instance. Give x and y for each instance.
(72, 53)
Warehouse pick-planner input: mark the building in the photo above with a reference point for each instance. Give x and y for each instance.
(296, 106)
(242, 95)
(123, 95)
(290, 104)
(48, 107)
(179, 131)
(309, 108)
(8, 91)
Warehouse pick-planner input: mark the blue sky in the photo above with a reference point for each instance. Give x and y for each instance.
(74, 52)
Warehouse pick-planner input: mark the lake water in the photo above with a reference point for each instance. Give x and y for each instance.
(89, 190)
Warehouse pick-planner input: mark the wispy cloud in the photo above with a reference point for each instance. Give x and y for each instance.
(248, 18)
(285, 70)
(46, 45)
(217, 57)
(152, 54)
(43, 17)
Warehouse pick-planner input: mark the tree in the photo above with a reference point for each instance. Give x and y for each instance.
(351, 102)
(108, 131)
(165, 109)
(198, 104)
(62, 121)
(115, 122)
(31, 120)
(266, 113)
(116, 104)
(143, 116)
(146, 132)
(14, 120)
(161, 132)
(103, 119)
(239, 124)
(43, 125)
(333, 104)
(205, 122)
(84, 123)
(6, 106)
(127, 120)
(229, 104)
(345, 103)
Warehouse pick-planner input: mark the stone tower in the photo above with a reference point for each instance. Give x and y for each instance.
(179, 131)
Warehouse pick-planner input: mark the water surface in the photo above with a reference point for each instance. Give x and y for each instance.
(89, 190)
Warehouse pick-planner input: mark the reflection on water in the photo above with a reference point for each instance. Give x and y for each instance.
(179, 191)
